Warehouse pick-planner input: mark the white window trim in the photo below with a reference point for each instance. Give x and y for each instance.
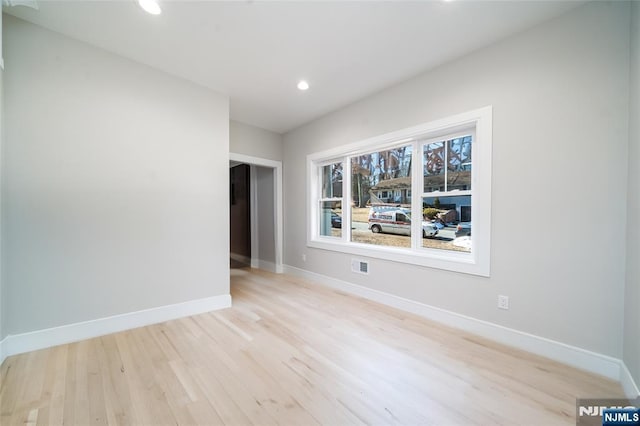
(478, 261)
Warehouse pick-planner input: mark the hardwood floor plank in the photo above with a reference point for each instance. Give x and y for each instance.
(70, 385)
(291, 352)
(115, 386)
(54, 388)
(219, 372)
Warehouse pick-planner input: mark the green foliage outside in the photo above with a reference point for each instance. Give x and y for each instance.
(430, 213)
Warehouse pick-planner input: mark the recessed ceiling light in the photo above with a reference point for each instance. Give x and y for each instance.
(150, 6)
(303, 85)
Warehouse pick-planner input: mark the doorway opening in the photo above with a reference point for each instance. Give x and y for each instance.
(256, 216)
(239, 215)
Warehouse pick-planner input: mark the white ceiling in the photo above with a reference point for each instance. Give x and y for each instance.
(255, 52)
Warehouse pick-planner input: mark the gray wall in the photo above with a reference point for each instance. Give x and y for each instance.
(560, 98)
(2, 281)
(254, 141)
(266, 217)
(116, 180)
(632, 294)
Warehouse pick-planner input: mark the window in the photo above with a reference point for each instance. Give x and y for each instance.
(446, 197)
(330, 201)
(419, 195)
(381, 170)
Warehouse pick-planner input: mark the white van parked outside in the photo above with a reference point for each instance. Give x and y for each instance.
(397, 222)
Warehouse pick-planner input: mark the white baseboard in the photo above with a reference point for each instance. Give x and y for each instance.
(3, 352)
(630, 387)
(40, 339)
(603, 365)
(267, 266)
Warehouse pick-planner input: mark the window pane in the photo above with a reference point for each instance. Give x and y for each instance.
(447, 223)
(383, 176)
(381, 201)
(332, 181)
(331, 218)
(434, 167)
(459, 164)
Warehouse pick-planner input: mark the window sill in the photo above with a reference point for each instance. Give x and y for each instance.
(466, 263)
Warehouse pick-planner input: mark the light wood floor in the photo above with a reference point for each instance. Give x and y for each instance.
(292, 353)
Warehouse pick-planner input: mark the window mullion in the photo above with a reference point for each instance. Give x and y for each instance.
(346, 199)
(416, 191)
(446, 165)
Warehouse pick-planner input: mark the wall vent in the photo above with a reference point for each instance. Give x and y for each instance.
(360, 266)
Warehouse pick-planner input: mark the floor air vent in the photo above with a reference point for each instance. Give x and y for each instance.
(360, 266)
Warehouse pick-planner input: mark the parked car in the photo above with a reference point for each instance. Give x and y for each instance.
(398, 222)
(463, 229)
(336, 220)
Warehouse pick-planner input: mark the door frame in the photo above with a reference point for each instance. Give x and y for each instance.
(277, 203)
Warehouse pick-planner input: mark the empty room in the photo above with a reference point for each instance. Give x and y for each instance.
(320, 212)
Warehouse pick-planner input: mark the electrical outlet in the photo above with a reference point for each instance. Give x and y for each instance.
(304, 257)
(503, 302)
